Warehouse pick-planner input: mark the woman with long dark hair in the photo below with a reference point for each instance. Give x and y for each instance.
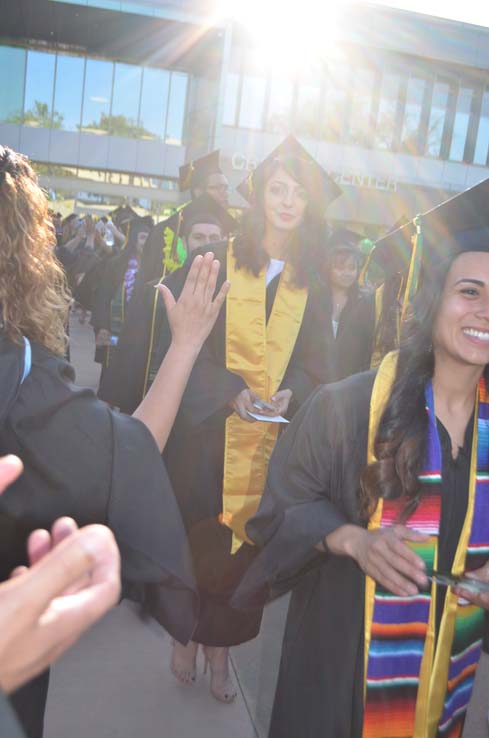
(264, 357)
(375, 503)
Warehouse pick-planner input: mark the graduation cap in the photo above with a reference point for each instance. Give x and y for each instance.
(203, 209)
(123, 214)
(343, 240)
(301, 166)
(139, 224)
(194, 173)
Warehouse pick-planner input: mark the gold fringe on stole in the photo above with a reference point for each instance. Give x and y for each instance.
(260, 354)
(433, 676)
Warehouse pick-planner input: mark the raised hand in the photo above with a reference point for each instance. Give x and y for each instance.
(194, 314)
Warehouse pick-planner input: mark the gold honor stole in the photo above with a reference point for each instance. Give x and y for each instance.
(259, 353)
(418, 685)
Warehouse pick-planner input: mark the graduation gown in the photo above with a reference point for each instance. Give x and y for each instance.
(122, 383)
(313, 488)
(195, 456)
(85, 461)
(355, 337)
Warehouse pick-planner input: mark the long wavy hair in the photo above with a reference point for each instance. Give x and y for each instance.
(400, 444)
(307, 241)
(34, 298)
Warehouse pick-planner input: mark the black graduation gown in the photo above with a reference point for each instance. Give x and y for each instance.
(83, 460)
(122, 381)
(195, 456)
(9, 726)
(312, 488)
(355, 338)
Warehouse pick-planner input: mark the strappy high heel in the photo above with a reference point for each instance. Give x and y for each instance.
(184, 676)
(223, 687)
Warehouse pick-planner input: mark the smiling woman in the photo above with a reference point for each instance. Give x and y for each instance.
(365, 474)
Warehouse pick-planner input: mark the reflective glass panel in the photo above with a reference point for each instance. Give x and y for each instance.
(413, 110)
(12, 72)
(39, 82)
(361, 106)
(438, 114)
(280, 105)
(307, 110)
(252, 102)
(385, 128)
(230, 99)
(482, 142)
(125, 101)
(154, 103)
(97, 94)
(461, 123)
(176, 109)
(336, 97)
(68, 92)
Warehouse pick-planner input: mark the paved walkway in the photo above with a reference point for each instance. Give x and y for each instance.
(115, 683)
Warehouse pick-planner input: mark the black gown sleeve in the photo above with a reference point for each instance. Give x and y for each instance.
(9, 725)
(312, 486)
(85, 461)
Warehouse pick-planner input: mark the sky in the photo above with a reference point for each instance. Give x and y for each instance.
(468, 11)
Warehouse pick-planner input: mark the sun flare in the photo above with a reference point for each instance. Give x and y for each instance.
(286, 35)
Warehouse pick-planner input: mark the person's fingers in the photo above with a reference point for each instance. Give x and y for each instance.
(210, 288)
(39, 544)
(411, 559)
(393, 581)
(408, 534)
(204, 276)
(76, 556)
(18, 571)
(406, 568)
(167, 296)
(61, 529)
(221, 296)
(192, 277)
(10, 468)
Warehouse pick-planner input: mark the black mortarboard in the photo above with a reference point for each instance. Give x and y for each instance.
(139, 224)
(300, 165)
(122, 214)
(458, 224)
(195, 172)
(196, 211)
(342, 239)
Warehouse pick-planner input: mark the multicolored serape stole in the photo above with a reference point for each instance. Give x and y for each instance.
(419, 682)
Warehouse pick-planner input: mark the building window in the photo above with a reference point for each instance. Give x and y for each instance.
(68, 92)
(39, 84)
(461, 122)
(386, 126)
(97, 95)
(307, 110)
(125, 101)
(438, 115)
(482, 142)
(231, 94)
(279, 113)
(413, 113)
(12, 73)
(361, 107)
(252, 102)
(333, 122)
(154, 103)
(176, 109)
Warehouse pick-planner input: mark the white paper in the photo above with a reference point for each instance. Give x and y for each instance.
(268, 418)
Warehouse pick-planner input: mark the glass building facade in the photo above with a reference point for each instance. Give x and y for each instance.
(384, 105)
(82, 94)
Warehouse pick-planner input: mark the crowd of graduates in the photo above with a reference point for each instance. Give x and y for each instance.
(309, 414)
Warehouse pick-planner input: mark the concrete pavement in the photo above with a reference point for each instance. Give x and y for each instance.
(116, 683)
